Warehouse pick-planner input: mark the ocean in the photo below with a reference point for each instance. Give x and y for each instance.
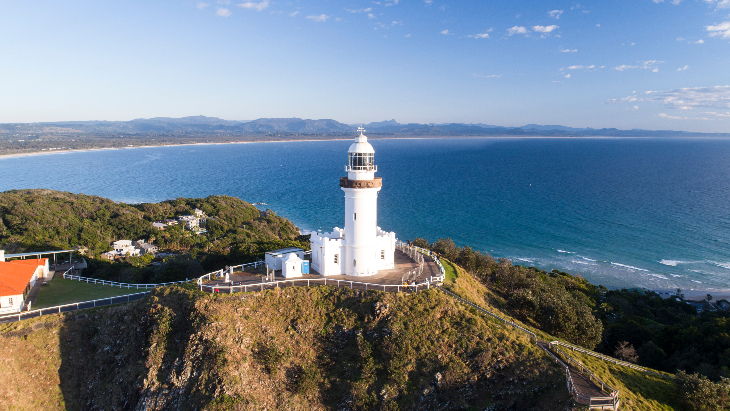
(621, 212)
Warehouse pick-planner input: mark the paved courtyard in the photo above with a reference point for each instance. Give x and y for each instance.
(396, 276)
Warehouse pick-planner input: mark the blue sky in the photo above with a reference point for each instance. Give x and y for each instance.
(625, 63)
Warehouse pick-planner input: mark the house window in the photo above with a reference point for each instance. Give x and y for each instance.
(337, 257)
(354, 263)
(10, 301)
(382, 254)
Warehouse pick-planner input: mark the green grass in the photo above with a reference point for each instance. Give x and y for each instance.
(62, 291)
(450, 271)
(637, 390)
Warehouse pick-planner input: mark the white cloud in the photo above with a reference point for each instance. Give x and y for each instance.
(680, 38)
(624, 67)
(254, 6)
(407, 35)
(371, 16)
(686, 98)
(516, 30)
(544, 29)
(484, 35)
(293, 13)
(201, 5)
(445, 32)
(683, 68)
(675, 2)
(722, 30)
(429, 2)
(598, 24)
(555, 13)
(636, 107)
(720, 4)
(567, 76)
(575, 68)
(319, 19)
(568, 50)
(700, 41)
(221, 12)
(367, 10)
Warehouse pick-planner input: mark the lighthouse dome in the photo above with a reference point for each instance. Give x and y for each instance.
(361, 145)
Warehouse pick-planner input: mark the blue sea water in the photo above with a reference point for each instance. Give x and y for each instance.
(634, 212)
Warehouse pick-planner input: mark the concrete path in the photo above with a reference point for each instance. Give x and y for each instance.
(403, 264)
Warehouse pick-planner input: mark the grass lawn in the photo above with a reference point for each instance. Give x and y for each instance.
(61, 291)
(450, 271)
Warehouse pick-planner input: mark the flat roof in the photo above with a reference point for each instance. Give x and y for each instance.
(284, 250)
(37, 253)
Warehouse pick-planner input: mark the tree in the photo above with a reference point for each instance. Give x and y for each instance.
(626, 352)
(697, 393)
(709, 297)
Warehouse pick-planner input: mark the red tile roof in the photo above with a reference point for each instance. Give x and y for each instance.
(15, 275)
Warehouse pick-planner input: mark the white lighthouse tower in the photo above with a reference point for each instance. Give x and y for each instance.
(362, 248)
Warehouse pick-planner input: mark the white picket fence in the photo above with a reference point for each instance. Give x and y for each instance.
(24, 315)
(117, 284)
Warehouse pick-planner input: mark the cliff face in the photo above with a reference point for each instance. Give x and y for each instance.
(292, 348)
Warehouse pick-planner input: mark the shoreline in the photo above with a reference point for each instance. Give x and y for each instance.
(81, 150)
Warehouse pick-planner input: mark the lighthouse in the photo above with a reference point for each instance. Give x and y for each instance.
(361, 248)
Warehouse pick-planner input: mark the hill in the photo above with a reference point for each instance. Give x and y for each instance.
(293, 348)
(42, 220)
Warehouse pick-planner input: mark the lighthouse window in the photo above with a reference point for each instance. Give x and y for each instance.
(354, 263)
(337, 257)
(382, 254)
(361, 161)
(354, 216)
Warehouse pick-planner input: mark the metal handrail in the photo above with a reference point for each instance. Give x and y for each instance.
(610, 359)
(90, 280)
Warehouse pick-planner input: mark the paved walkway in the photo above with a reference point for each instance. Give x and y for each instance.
(403, 264)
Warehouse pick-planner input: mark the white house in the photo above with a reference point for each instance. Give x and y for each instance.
(275, 259)
(17, 277)
(125, 248)
(292, 266)
(361, 248)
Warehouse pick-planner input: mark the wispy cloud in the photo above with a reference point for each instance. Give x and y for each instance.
(720, 4)
(683, 68)
(367, 10)
(516, 30)
(293, 13)
(544, 29)
(624, 67)
(484, 35)
(254, 6)
(555, 13)
(700, 41)
(567, 76)
(647, 65)
(444, 32)
(675, 2)
(486, 75)
(569, 51)
(201, 5)
(221, 12)
(685, 98)
(319, 19)
(720, 30)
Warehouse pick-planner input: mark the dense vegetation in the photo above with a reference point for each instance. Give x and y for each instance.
(557, 303)
(303, 348)
(42, 220)
(634, 325)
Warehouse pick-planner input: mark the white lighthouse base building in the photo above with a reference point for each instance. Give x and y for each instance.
(361, 248)
(330, 253)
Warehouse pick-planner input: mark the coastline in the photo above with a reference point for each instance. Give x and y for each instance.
(81, 150)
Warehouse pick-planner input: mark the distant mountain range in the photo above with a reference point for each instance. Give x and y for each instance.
(201, 125)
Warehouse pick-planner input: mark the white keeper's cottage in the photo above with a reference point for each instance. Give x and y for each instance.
(361, 248)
